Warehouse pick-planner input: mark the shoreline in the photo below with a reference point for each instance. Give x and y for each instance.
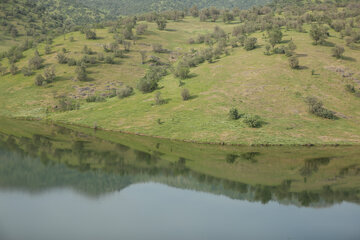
(182, 140)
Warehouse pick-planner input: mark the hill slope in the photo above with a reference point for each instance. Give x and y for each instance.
(251, 81)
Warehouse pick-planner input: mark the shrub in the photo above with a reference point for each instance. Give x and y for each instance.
(318, 33)
(49, 74)
(47, 49)
(233, 114)
(158, 99)
(125, 91)
(81, 74)
(316, 107)
(95, 98)
(39, 80)
(161, 23)
(250, 43)
(143, 56)
(338, 51)
(127, 45)
(253, 121)
(87, 50)
(294, 62)
(100, 57)
(182, 70)
(150, 81)
(27, 71)
(13, 69)
(71, 62)
(90, 34)
(61, 58)
(274, 36)
(157, 47)
(185, 94)
(36, 62)
(350, 88)
(109, 60)
(140, 29)
(66, 104)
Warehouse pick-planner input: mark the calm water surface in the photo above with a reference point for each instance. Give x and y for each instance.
(57, 183)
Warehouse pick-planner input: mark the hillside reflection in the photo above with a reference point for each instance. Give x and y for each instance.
(37, 158)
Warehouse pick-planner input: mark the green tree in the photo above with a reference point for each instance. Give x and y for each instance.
(338, 51)
(274, 36)
(318, 33)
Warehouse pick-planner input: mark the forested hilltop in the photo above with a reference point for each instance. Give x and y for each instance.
(282, 73)
(38, 20)
(132, 7)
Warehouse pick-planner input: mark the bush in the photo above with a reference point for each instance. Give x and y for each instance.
(140, 29)
(150, 81)
(81, 74)
(161, 23)
(100, 57)
(125, 91)
(27, 71)
(294, 62)
(39, 80)
(13, 69)
(109, 60)
(250, 43)
(338, 51)
(157, 47)
(233, 114)
(90, 35)
(95, 98)
(66, 104)
(36, 62)
(49, 74)
(71, 62)
(316, 107)
(185, 94)
(253, 121)
(182, 70)
(350, 88)
(158, 99)
(61, 58)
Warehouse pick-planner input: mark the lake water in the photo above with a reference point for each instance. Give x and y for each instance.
(62, 183)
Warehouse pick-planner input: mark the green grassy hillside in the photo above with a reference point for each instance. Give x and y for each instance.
(252, 82)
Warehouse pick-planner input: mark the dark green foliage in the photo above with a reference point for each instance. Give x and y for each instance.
(185, 94)
(36, 62)
(66, 104)
(157, 47)
(233, 114)
(274, 36)
(182, 70)
(95, 98)
(318, 33)
(250, 43)
(87, 50)
(350, 88)
(253, 121)
(49, 74)
(294, 62)
(39, 80)
(143, 57)
(61, 58)
(13, 69)
(338, 51)
(71, 62)
(161, 23)
(90, 34)
(27, 71)
(125, 91)
(127, 45)
(150, 81)
(109, 60)
(81, 74)
(316, 107)
(47, 49)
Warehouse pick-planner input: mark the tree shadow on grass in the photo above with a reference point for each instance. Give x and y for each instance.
(192, 97)
(302, 68)
(301, 55)
(170, 30)
(348, 59)
(328, 44)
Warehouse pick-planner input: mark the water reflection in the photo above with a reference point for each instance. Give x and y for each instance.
(95, 163)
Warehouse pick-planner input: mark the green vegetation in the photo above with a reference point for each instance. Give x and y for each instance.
(216, 55)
